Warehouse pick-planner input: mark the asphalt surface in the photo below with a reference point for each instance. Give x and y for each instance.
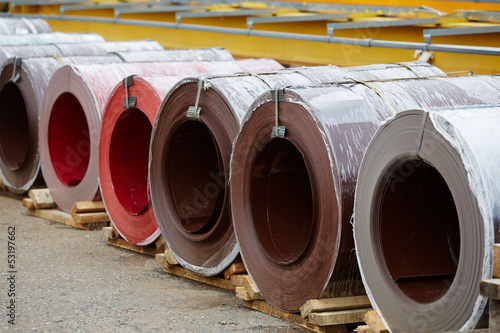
(69, 280)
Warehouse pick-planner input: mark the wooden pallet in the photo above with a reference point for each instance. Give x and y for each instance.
(326, 315)
(86, 215)
(114, 238)
(232, 280)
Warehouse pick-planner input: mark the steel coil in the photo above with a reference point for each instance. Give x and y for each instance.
(427, 215)
(206, 54)
(80, 49)
(49, 38)
(292, 198)
(23, 26)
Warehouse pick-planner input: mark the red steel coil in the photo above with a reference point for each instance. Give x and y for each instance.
(23, 26)
(189, 174)
(49, 38)
(292, 197)
(69, 140)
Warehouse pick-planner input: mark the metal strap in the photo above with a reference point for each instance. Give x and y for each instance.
(57, 58)
(386, 101)
(411, 69)
(15, 76)
(129, 102)
(421, 135)
(194, 111)
(277, 95)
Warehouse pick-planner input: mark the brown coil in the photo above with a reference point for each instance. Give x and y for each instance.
(292, 197)
(190, 171)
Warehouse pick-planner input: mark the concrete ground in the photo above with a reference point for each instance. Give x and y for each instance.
(70, 280)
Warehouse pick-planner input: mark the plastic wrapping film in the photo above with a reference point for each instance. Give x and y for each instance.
(23, 26)
(191, 199)
(439, 167)
(301, 187)
(71, 115)
(210, 54)
(49, 38)
(22, 88)
(81, 49)
(124, 148)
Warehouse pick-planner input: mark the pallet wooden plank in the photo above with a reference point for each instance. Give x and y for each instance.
(235, 268)
(160, 259)
(373, 320)
(42, 198)
(494, 315)
(334, 304)
(213, 281)
(242, 293)
(237, 280)
(160, 243)
(120, 242)
(28, 203)
(110, 232)
(337, 317)
(267, 308)
(88, 207)
(496, 260)
(169, 258)
(364, 329)
(91, 217)
(57, 215)
(490, 288)
(251, 289)
(2, 185)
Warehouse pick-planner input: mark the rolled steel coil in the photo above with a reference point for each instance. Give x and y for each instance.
(69, 140)
(190, 168)
(206, 54)
(23, 26)
(49, 38)
(81, 49)
(292, 196)
(22, 86)
(427, 215)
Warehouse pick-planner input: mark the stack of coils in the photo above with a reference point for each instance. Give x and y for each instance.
(191, 148)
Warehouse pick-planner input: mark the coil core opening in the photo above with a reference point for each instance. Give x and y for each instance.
(281, 201)
(128, 160)
(69, 140)
(419, 231)
(196, 182)
(14, 127)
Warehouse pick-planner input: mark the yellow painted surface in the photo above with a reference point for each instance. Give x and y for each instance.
(289, 52)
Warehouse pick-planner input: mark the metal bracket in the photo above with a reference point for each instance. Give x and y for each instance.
(277, 95)
(193, 112)
(280, 133)
(128, 102)
(16, 76)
